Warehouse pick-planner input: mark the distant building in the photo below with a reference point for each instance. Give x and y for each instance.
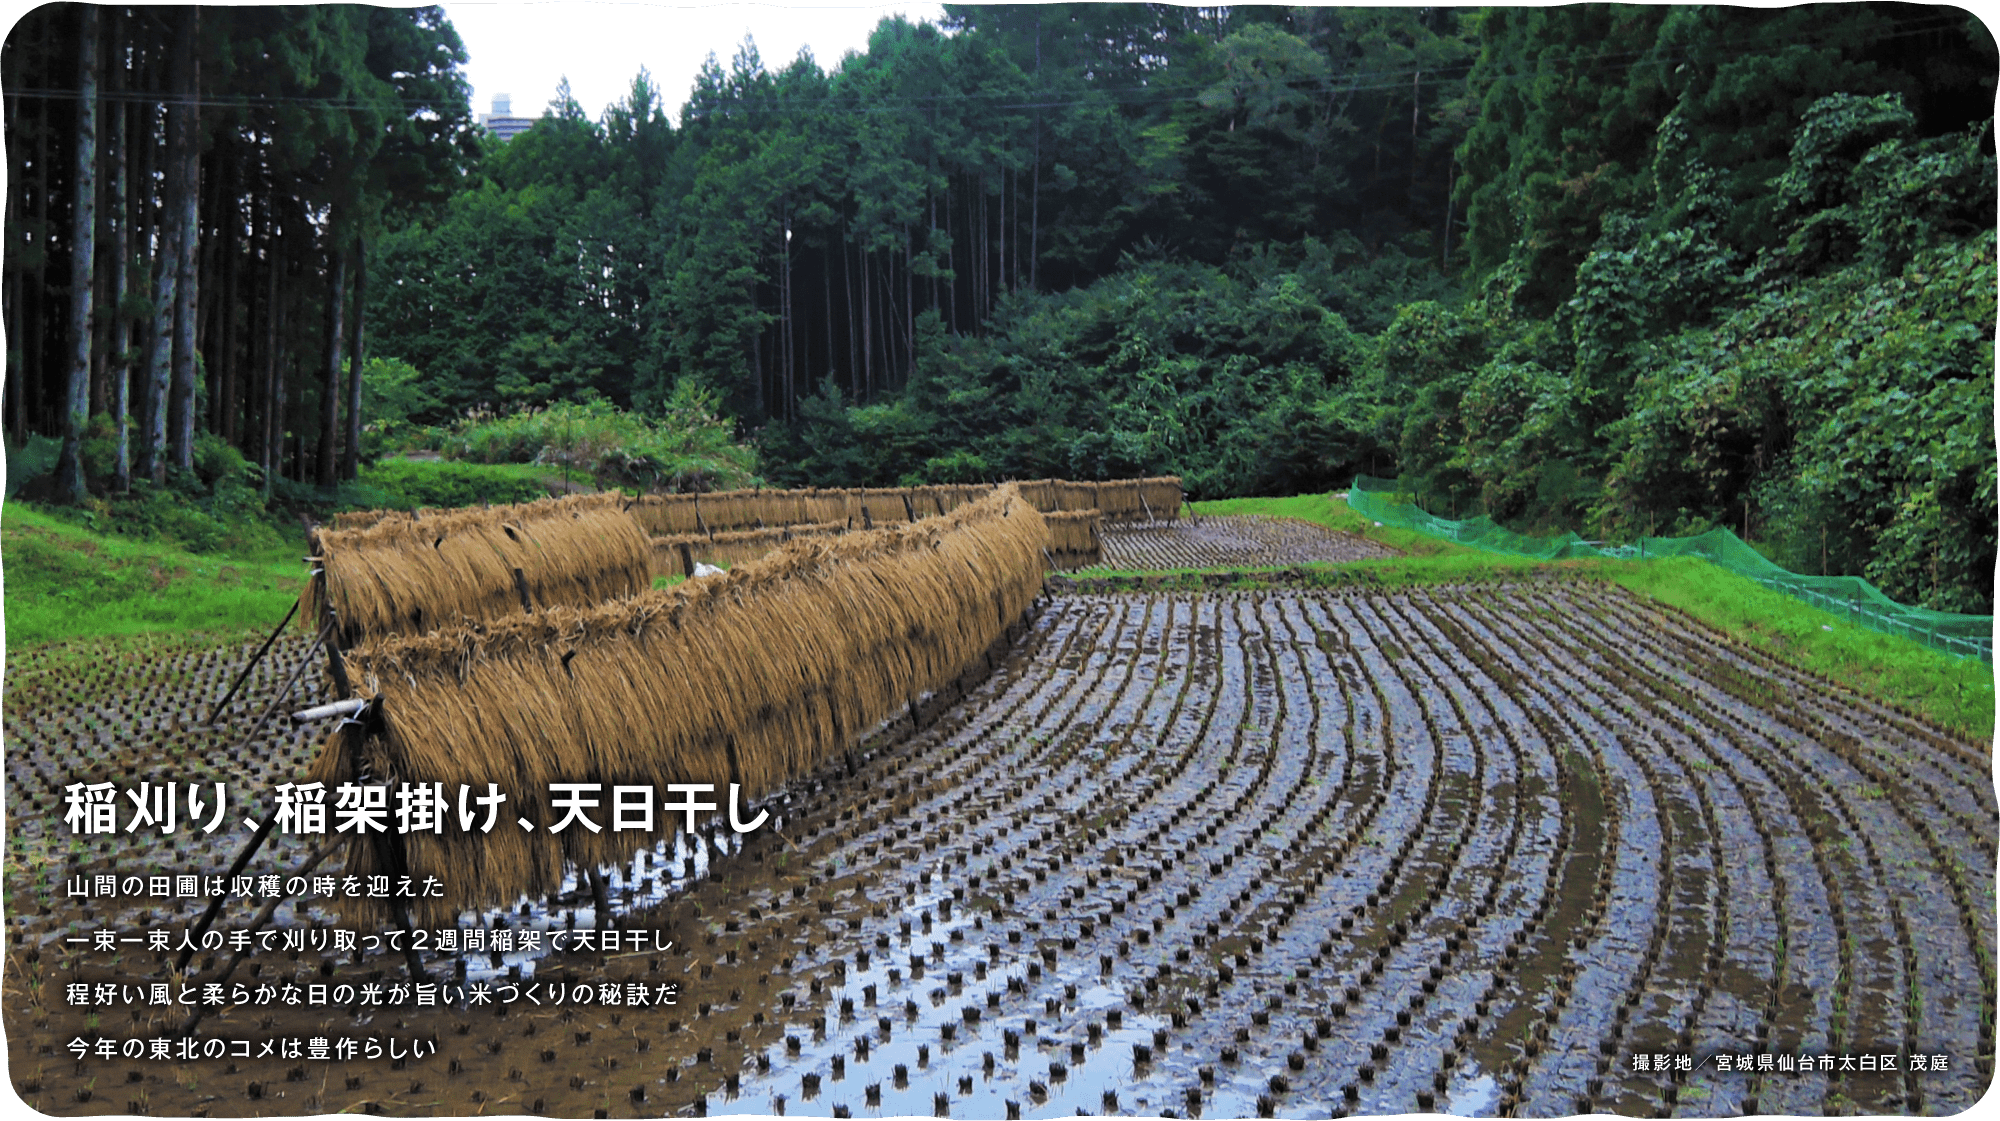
(502, 122)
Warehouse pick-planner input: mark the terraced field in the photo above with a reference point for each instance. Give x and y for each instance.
(1287, 852)
(1221, 541)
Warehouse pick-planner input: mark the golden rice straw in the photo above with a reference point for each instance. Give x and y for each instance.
(1074, 496)
(886, 504)
(665, 514)
(1075, 538)
(727, 549)
(756, 676)
(822, 505)
(1041, 493)
(1119, 500)
(408, 575)
(363, 519)
(1161, 497)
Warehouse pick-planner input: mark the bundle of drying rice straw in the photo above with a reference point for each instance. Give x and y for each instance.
(754, 677)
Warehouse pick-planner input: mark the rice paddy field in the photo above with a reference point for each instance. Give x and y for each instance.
(1277, 850)
(1230, 541)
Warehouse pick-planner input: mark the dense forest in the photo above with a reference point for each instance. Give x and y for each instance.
(1616, 268)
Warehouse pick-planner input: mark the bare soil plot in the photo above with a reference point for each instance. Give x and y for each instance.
(1221, 541)
(1221, 853)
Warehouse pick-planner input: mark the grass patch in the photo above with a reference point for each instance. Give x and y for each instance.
(65, 582)
(411, 483)
(1333, 513)
(1955, 692)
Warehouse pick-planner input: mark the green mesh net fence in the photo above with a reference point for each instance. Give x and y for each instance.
(1851, 597)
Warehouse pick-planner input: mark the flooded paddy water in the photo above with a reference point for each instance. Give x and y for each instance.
(1289, 852)
(1217, 541)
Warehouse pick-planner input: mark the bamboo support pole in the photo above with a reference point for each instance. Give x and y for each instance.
(263, 829)
(347, 707)
(252, 664)
(264, 915)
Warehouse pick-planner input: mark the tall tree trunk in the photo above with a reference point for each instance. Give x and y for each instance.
(867, 333)
(909, 306)
(186, 291)
(35, 339)
(212, 263)
(1035, 213)
(1035, 207)
(826, 293)
(83, 261)
(329, 397)
(975, 251)
(267, 356)
(1416, 100)
(350, 453)
(121, 281)
(785, 310)
(160, 332)
(756, 352)
(951, 264)
(222, 313)
(15, 418)
(274, 373)
(847, 308)
(1444, 258)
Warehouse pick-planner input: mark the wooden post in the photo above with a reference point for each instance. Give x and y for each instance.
(270, 909)
(909, 511)
(252, 664)
(687, 561)
(521, 587)
(600, 897)
(263, 830)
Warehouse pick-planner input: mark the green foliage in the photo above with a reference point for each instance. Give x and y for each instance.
(1725, 265)
(1855, 413)
(30, 461)
(398, 395)
(406, 484)
(688, 446)
(1165, 368)
(228, 520)
(1858, 187)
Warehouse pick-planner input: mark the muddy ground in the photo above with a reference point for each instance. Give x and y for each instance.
(1293, 852)
(1219, 541)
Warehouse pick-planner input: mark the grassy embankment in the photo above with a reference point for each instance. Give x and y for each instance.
(1955, 692)
(64, 581)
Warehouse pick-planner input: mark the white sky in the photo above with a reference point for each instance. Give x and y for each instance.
(524, 48)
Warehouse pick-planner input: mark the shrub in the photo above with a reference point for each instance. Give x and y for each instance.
(405, 485)
(690, 447)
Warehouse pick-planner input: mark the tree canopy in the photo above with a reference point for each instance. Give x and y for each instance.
(1618, 268)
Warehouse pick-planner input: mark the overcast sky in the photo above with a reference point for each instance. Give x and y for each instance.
(524, 48)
